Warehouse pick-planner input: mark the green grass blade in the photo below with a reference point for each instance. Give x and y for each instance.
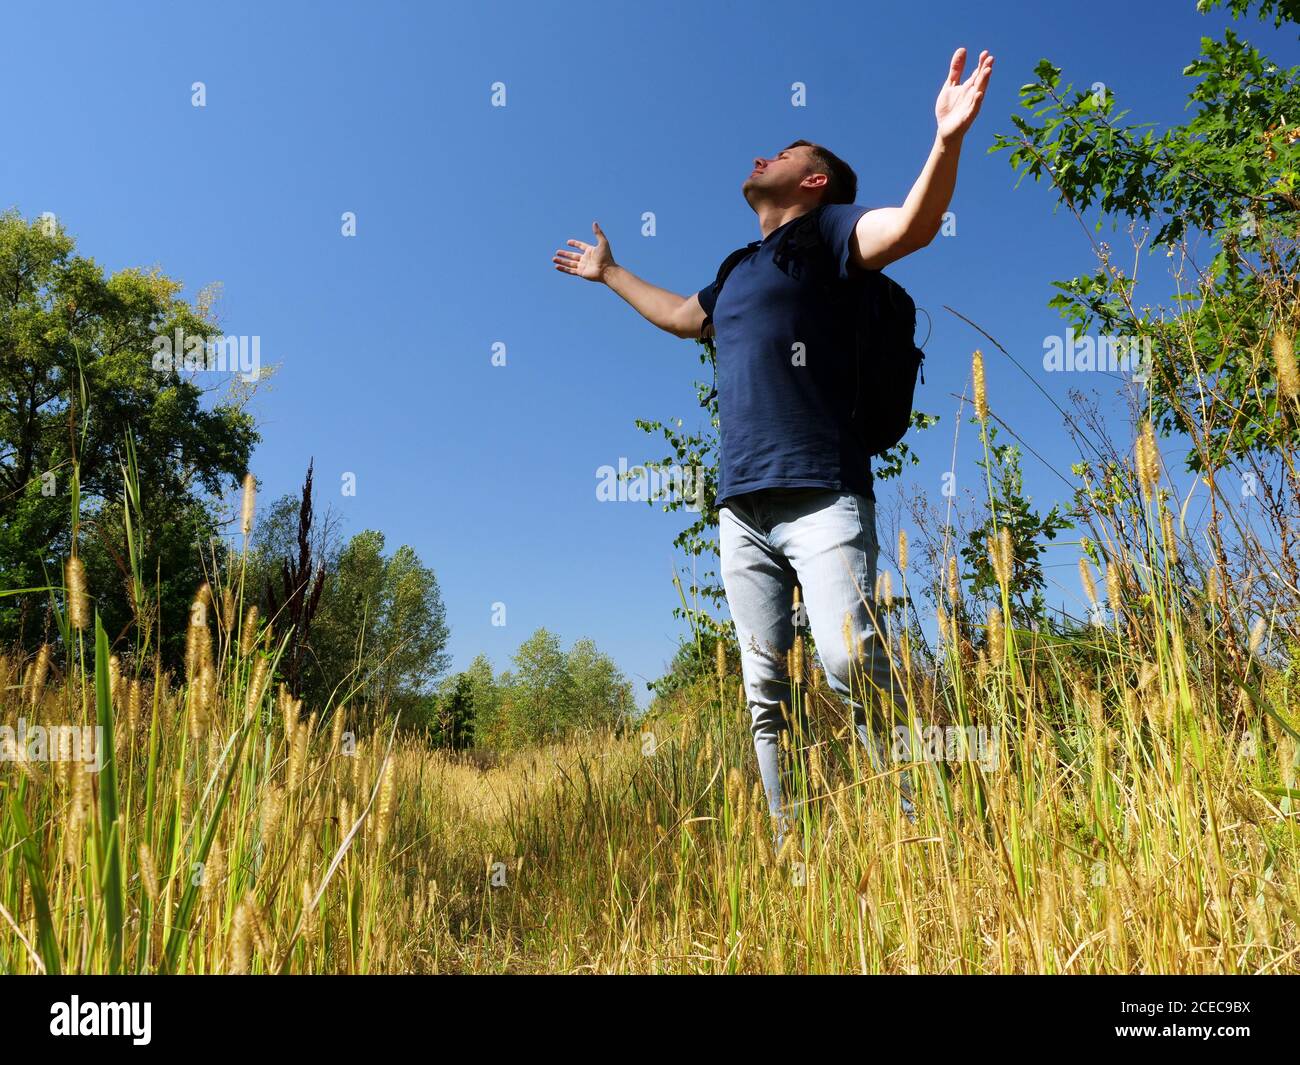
(49, 944)
(110, 840)
(180, 926)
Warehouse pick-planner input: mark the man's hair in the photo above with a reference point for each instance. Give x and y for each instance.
(843, 184)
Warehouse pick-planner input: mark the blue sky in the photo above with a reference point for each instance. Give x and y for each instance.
(384, 341)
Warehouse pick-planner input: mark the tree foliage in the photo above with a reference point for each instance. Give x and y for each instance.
(77, 381)
(547, 695)
(1013, 511)
(378, 631)
(1228, 174)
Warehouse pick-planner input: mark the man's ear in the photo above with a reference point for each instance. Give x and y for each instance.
(815, 181)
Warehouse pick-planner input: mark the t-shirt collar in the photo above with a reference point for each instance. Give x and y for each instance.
(782, 226)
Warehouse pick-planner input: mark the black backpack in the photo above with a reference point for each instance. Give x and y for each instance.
(886, 357)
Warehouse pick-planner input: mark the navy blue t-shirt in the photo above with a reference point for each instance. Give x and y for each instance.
(786, 372)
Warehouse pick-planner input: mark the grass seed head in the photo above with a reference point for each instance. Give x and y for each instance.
(1288, 378)
(214, 871)
(996, 561)
(1114, 586)
(256, 684)
(248, 505)
(996, 645)
(78, 602)
(248, 634)
(387, 792)
(133, 705)
(1169, 534)
(297, 758)
(272, 813)
(148, 872)
(40, 671)
(241, 938)
(885, 589)
(1089, 585)
(1257, 635)
(1148, 460)
(227, 610)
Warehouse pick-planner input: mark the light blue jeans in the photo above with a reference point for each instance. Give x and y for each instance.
(824, 540)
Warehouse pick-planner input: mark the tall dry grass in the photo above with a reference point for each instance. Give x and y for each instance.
(1137, 836)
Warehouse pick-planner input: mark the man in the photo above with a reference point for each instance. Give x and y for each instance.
(795, 498)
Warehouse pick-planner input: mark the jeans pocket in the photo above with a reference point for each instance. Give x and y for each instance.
(865, 507)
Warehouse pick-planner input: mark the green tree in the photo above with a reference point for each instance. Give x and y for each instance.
(695, 658)
(1229, 174)
(1217, 197)
(602, 697)
(452, 713)
(412, 632)
(485, 699)
(380, 630)
(345, 643)
(77, 378)
(548, 694)
(539, 692)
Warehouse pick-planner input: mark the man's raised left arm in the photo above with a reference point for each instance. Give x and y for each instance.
(887, 234)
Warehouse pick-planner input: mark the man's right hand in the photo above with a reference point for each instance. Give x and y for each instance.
(592, 261)
(680, 315)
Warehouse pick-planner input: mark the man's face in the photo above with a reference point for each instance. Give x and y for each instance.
(782, 178)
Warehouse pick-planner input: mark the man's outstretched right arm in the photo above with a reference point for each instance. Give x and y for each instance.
(680, 315)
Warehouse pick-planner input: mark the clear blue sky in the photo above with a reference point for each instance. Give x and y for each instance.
(613, 109)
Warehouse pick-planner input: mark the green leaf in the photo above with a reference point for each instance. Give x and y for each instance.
(110, 830)
(40, 895)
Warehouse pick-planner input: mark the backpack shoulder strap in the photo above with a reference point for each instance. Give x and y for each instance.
(803, 236)
(724, 271)
(804, 243)
(732, 261)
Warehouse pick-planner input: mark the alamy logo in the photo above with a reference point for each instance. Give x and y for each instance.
(102, 1018)
(643, 484)
(948, 743)
(225, 354)
(52, 743)
(1082, 354)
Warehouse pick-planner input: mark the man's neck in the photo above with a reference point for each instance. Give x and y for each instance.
(771, 217)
